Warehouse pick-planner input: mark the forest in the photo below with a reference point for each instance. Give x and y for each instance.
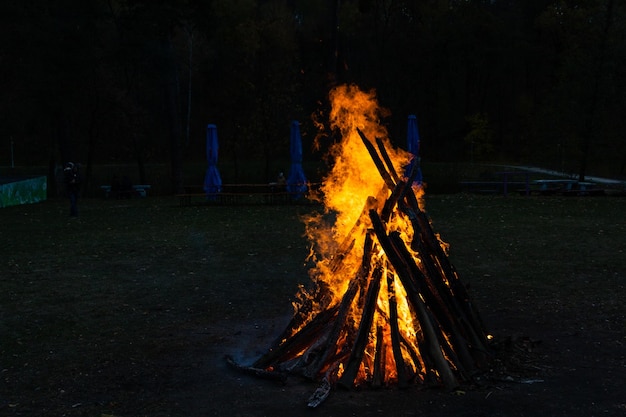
(137, 81)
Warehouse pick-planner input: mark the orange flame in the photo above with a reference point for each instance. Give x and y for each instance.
(386, 304)
(353, 186)
(353, 181)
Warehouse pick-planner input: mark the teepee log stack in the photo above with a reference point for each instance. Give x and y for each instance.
(449, 343)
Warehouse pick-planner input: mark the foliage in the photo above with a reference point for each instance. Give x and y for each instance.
(110, 81)
(480, 136)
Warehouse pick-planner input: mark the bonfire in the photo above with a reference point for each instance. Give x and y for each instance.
(385, 306)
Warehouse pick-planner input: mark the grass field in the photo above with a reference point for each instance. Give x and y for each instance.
(114, 313)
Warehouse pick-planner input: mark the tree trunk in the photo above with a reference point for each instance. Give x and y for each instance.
(588, 133)
(141, 166)
(172, 98)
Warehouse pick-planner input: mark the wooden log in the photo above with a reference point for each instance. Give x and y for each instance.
(388, 170)
(258, 372)
(409, 346)
(300, 317)
(377, 161)
(431, 342)
(413, 173)
(385, 155)
(356, 356)
(461, 300)
(378, 375)
(425, 241)
(287, 348)
(422, 282)
(320, 394)
(415, 356)
(395, 333)
(335, 265)
(392, 201)
(344, 307)
(440, 302)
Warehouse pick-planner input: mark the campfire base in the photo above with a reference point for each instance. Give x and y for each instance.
(365, 339)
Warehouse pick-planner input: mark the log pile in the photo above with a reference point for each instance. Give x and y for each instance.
(356, 342)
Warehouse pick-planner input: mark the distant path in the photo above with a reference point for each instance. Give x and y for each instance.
(591, 178)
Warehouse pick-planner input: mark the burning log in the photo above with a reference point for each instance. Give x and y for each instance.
(395, 333)
(449, 338)
(401, 315)
(354, 362)
(433, 350)
(377, 161)
(261, 373)
(344, 307)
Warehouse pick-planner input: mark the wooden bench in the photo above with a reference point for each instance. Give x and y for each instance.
(493, 187)
(140, 190)
(553, 186)
(583, 188)
(225, 199)
(242, 194)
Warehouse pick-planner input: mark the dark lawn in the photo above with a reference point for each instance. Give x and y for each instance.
(129, 309)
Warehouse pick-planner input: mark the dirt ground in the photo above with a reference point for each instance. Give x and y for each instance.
(570, 365)
(567, 367)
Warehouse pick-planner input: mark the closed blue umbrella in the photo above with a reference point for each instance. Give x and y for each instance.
(413, 146)
(296, 181)
(212, 179)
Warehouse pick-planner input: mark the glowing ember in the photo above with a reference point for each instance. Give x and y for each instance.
(386, 307)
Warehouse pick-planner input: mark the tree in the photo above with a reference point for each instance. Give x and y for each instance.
(588, 88)
(149, 34)
(52, 66)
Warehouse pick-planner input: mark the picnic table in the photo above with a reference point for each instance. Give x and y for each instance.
(554, 185)
(567, 187)
(506, 175)
(507, 180)
(242, 194)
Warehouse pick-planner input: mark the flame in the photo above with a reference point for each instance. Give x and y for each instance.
(353, 186)
(352, 181)
(358, 323)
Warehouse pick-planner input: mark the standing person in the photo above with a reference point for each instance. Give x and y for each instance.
(72, 180)
(281, 181)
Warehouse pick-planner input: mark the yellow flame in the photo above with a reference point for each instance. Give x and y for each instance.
(352, 180)
(353, 186)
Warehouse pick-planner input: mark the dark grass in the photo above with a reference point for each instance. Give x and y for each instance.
(96, 312)
(81, 298)
(541, 260)
(443, 177)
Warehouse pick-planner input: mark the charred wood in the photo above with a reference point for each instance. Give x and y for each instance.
(329, 336)
(385, 155)
(258, 372)
(395, 334)
(344, 307)
(320, 394)
(378, 375)
(380, 165)
(439, 301)
(365, 326)
(433, 349)
(287, 348)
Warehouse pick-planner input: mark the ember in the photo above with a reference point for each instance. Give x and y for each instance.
(386, 306)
